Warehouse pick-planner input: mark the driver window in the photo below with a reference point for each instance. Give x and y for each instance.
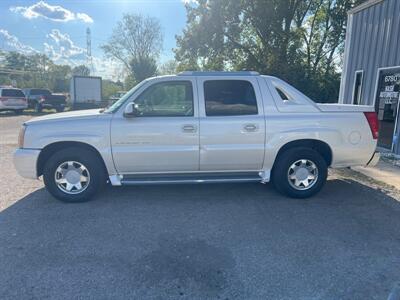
(166, 99)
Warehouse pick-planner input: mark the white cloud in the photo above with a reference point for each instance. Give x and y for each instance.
(10, 42)
(108, 69)
(190, 2)
(62, 50)
(60, 46)
(84, 17)
(51, 12)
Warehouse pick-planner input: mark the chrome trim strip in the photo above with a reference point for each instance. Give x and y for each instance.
(188, 181)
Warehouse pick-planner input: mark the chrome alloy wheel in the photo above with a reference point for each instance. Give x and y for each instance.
(72, 177)
(303, 174)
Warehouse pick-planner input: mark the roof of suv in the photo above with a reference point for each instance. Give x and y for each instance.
(218, 73)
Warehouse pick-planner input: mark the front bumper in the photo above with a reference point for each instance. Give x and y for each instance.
(374, 160)
(25, 161)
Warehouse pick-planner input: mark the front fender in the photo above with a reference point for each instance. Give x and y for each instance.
(93, 132)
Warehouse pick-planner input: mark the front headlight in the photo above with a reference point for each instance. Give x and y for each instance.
(21, 136)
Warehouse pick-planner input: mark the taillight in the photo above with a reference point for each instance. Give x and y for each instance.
(373, 123)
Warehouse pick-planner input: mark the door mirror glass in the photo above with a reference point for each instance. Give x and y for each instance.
(130, 110)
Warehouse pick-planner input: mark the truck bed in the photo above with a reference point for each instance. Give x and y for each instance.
(334, 107)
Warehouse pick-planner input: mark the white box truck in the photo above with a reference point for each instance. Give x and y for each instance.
(85, 92)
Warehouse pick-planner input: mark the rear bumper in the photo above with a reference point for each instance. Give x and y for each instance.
(374, 159)
(49, 104)
(13, 107)
(25, 161)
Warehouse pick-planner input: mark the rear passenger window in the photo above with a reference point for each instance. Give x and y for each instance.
(229, 98)
(283, 95)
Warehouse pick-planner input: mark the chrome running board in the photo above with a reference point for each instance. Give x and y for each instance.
(146, 179)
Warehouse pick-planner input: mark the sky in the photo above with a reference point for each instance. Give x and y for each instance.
(58, 28)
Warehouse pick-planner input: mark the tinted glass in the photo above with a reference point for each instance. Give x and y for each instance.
(35, 92)
(282, 94)
(357, 88)
(169, 99)
(12, 93)
(229, 98)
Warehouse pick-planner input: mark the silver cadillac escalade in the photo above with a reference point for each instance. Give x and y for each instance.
(198, 127)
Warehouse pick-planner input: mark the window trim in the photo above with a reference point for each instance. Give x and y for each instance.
(354, 87)
(235, 115)
(165, 83)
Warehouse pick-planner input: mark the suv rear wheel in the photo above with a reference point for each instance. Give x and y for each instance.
(299, 172)
(74, 174)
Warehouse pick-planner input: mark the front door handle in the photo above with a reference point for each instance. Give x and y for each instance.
(189, 128)
(250, 127)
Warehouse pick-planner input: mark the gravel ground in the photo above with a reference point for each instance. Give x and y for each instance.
(225, 241)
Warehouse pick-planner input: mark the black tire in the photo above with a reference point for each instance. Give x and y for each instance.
(280, 172)
(38, 107)
(59, 108)
(81, 155)
(18, 111)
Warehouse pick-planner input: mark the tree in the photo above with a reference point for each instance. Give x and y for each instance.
(142, 68)
(129, 82)
(37, 71)
(136, 42)
(60, 77)
(81, 70)
(168, 68)
(16, 61)
(110, 88)
(297, 40)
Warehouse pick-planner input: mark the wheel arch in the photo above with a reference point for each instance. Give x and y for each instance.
(52, 148)
(320, 146)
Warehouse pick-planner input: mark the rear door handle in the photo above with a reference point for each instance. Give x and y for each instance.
(250, 127)
(189, 128)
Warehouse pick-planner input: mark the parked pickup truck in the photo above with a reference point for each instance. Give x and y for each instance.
(198, 127)
(42, 98)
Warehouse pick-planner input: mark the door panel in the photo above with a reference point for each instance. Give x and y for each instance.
(231, 142)
(154, 143)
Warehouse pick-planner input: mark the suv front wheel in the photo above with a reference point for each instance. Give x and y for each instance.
(299, 172)
(74, 174)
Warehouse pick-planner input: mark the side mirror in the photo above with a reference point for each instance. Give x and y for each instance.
(130, 110)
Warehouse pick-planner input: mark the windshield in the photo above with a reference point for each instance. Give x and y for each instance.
(116, 105)
(35, 92)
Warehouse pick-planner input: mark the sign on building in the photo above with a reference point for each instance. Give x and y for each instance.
(387, 104)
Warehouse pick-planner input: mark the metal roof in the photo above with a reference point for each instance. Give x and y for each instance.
(363, 6)
(218, 73)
